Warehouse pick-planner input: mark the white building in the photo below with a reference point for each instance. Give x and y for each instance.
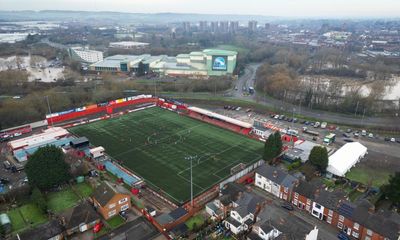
(275, 181)
(85, 55)
(128, 45)
(345, 158)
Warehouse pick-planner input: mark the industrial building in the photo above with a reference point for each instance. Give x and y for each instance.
(209, 62)
(85, 55)
(128, 45)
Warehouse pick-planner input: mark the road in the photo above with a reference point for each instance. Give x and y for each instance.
(248, 80)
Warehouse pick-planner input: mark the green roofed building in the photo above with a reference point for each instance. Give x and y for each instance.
(209, 62)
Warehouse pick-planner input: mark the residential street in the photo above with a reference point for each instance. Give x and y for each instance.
(275, 211)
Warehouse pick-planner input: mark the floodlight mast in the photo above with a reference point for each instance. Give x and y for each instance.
(191, 177)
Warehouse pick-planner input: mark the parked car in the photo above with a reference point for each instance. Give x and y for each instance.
(343, 236)
(281, 117)
(307, 123)
(356, 134)
(295, 120)
(323, 125)
(276, 116)
(4, 181)
(349, 130)
(393, 139)
(363, 133)
(238, 108)
(346, 135)
(348, 140)
(287, 207)
(317, 124)
(7, 165)
(371, 135)
(387, 139)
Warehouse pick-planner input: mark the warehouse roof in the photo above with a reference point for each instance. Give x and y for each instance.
(345, 158)
(221, 117)
(47, 135)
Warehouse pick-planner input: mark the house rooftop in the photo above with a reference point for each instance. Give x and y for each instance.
(103, 193)
(277, 175)
(83, 213)
(385, 223)
(43, 232)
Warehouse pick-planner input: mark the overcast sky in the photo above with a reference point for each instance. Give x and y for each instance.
(287, 8)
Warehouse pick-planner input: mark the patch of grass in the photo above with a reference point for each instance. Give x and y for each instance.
(115, 222)
(59, 201)
(16, 219)
(368, 175)
(32, 214)
(198, 220)
(26, 216)
(84, 189)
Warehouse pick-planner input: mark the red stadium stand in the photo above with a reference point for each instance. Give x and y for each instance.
(220, 120)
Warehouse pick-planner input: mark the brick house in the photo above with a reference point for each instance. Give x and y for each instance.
(276, 181)
(108, 202)
(356, 220)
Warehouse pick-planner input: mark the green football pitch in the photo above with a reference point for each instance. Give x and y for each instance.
(156, 145)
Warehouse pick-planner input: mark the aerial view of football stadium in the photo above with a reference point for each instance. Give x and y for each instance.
(158, 145)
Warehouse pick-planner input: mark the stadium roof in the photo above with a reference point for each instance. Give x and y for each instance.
(48, 134)
(345, 158)
(219, 52)
(221, 117)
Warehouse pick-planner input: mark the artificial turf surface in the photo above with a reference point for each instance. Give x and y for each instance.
(155, 144)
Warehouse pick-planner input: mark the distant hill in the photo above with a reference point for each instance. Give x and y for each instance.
(103, 17)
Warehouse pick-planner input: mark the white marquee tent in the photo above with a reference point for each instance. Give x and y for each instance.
(345, 158)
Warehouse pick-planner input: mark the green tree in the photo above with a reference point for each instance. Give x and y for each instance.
(392, 189)
(46, 168)
(270, 148)
(38, 198)
(278, 143)
(319, 157)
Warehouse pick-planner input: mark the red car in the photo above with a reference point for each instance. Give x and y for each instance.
(97, 228)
